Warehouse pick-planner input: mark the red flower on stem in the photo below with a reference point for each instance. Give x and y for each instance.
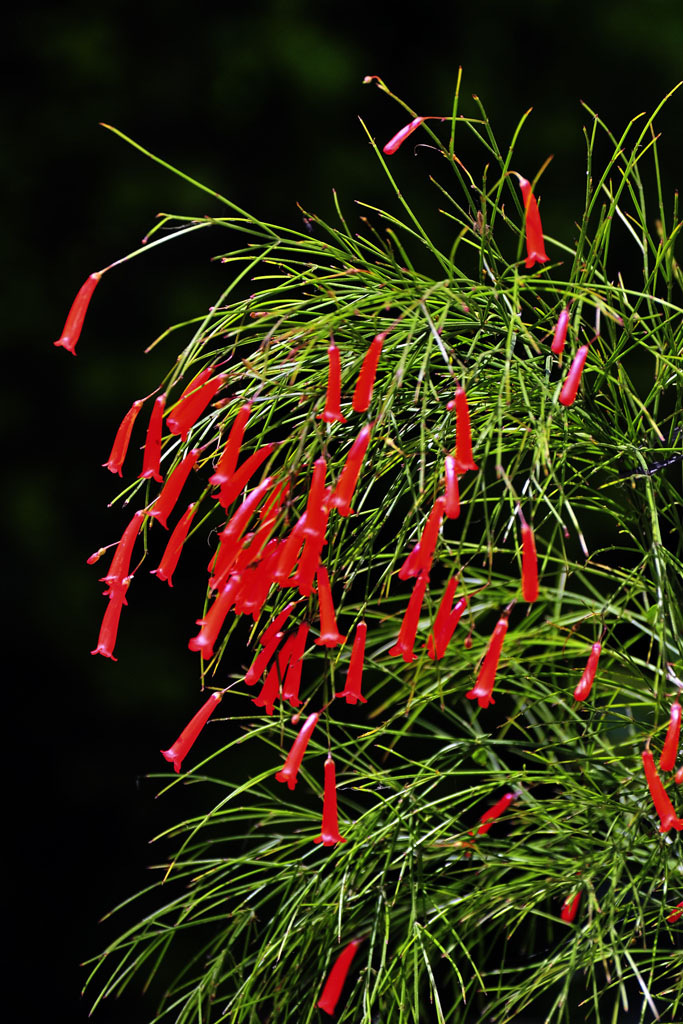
(483, 688)
(228, 461)
(463, 434)
(399, 138)
(276, 625)
(270, 690)
(529, 564)
(231, 534)
(329, 634)
(362, 394)
(110, 623)
(165, 503)
(332, 412)
(192, 404)
(678, 777)
(336, 978)
(676, 915)
(292, 681)
(293, 761)
(535, 247)
(406, 636)
(346, 485)
(355, 673)
(171, 555)
(74, 321)
(289, 552)
(241, 477)
(180, 749)
(315, 519)
(151, 460)
(430, 534)
(583, 687)
(573, 379)
(257, 667)
(329, 835)
(670, 748)
(119, 570)
(560, 332)
(570, 907)
(121, 441)
(663, 805)
(212, 622)
(452, 489)
(447, 618)
(488, 817)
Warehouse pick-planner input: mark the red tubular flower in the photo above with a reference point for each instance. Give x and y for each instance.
(488, 817)
(346, 485)
(270, 690)
(256, 669)
(430, 534)
(452, 490)
(670, 749)
(529, 565)
(289, 552)
(573, 379)
(110, 623)
(463, 434)
(227, 463)
(406, 636)
(197, 382)
(192, 404)
(268, 515)
(332, 412)
(678, 777)
(180, 749)
(231, 555)
(585, 683)
(336, 978)
(560, 332)
(329, 835)
(212, 622)
(446, 620)
(310, 561)
(74, 321)
(294, 757)
(570, 907)
(676, 915)
(119, 570)
(151, 460)
(362, 394)
(171, 555)
(314, 509)
(411, 566)
(329, 634)
(535, 247)
(256, 582)
(355, 673)
(165, 503)
(494, 812)
(663, 805)
(483, 688)
(239, 480)
(122, 439)
(292, 681)
(276, 625)
(400, 137)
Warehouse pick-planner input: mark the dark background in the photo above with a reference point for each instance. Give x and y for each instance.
(262, 104)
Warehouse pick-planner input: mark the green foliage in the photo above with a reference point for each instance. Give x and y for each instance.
(248, 914)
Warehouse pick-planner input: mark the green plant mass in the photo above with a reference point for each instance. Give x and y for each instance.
(439, 491)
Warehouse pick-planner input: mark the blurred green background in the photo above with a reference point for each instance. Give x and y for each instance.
(263, 104)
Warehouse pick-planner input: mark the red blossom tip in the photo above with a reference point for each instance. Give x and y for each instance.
(74, 321)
